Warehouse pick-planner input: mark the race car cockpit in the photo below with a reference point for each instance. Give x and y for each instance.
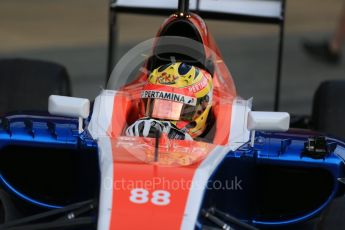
(176, 85)
(184, 65)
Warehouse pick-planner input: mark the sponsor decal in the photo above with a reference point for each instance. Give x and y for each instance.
(198, 86)
(169, 96)
(167, 79)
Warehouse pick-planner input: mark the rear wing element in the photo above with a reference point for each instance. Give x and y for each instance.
(255, 11)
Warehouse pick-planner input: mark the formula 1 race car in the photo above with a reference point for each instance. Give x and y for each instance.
(84, 167)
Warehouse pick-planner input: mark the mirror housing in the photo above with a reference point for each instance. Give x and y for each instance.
(268, 121)
(69, 107)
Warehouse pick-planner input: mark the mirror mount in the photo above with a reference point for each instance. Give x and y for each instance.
(70, 107)
(252, 138)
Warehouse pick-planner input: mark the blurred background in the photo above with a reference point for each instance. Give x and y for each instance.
(74, 33)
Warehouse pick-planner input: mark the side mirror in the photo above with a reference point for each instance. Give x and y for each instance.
(268, 121)
(69, 107)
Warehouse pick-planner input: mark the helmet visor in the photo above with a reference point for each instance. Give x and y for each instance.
(168, 110)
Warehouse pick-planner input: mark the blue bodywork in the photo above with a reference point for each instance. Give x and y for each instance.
(48, 133)
(278, 185)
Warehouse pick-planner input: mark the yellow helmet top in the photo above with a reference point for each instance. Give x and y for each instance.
(180, 93)
(181, 75)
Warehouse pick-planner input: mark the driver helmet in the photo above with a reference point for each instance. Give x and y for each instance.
(179, 93)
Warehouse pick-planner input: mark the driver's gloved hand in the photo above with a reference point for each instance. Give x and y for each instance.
(174, 132)
(147, 127)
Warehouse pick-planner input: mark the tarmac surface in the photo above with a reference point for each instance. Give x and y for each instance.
(74, 33)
